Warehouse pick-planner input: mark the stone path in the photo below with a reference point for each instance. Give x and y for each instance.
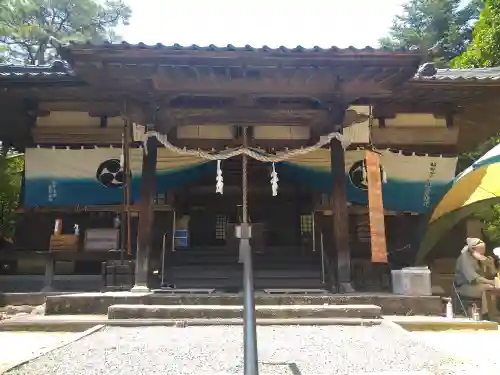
(19, 346)
(383, 350)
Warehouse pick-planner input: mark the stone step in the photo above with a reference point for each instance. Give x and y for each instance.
(258, 263)
(232, 312)
(258, 257)
(98, 303)
(237, 283)
(191, 274)
(232, 267)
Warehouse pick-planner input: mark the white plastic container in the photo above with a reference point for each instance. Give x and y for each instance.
(412, 281)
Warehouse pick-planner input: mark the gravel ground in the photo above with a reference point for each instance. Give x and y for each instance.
(217, 350)
(9, 311)
(19, 346)
(479, 347)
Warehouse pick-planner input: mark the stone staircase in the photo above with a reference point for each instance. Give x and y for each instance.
(219, 268)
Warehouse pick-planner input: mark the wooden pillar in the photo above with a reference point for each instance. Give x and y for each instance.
(341, 255)
(146, 215)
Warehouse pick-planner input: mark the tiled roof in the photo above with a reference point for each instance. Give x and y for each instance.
(55, 69)
(214, 48)
(457, 75)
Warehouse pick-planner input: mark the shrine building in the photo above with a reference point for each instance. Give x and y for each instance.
(139, 149)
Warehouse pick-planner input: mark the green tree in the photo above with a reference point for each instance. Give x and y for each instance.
(467, 158)
(442, 26)
(484, 50)
(490, 218)
(26, 26)
(11, 167)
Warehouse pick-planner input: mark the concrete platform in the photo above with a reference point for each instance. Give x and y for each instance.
(67, 323)
(182, 312)
(79, 323)
(31, 298)
(62, 283)
(98, 303)
(438, 323)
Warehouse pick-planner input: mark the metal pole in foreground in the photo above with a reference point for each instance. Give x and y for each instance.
(251, 363)
(322, 258)
(163, 260)
(250, 356)
(313, 231)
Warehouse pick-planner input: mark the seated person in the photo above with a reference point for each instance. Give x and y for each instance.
(472, 277)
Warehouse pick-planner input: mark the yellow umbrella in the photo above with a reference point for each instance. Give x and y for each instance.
(477, 187)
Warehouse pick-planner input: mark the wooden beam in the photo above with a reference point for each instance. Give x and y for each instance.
(424, 135)
(340, 229)
(151, 59)
(146, 214)
(245, 116)
(259, 81)
(389, 110)
(89, 208)
(81, 135)
(208, 144)
(97, 108)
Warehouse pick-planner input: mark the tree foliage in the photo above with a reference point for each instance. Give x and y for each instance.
(26, 26)
(484, 50)
(490, 218)
(467, 158)
(11, 167)
(445, 26)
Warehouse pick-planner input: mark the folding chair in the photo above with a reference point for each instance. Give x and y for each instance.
(456, 298)
(462, 301)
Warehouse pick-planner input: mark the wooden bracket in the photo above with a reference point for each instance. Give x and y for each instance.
(150, 113)
(334, 119)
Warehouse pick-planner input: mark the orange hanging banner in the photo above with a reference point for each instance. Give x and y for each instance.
(376, 208)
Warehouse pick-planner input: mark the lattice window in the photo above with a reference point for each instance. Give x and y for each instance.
(220, 227)
(306, 226)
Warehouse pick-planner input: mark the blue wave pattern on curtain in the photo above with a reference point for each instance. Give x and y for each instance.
(397, 195)
(87, 191)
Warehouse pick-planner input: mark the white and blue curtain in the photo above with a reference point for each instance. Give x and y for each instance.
(413, 183)
(92, 176)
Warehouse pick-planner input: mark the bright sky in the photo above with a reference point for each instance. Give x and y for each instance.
(261, 22)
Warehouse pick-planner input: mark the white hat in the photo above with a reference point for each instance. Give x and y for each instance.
(473, 242)
(496, 251)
